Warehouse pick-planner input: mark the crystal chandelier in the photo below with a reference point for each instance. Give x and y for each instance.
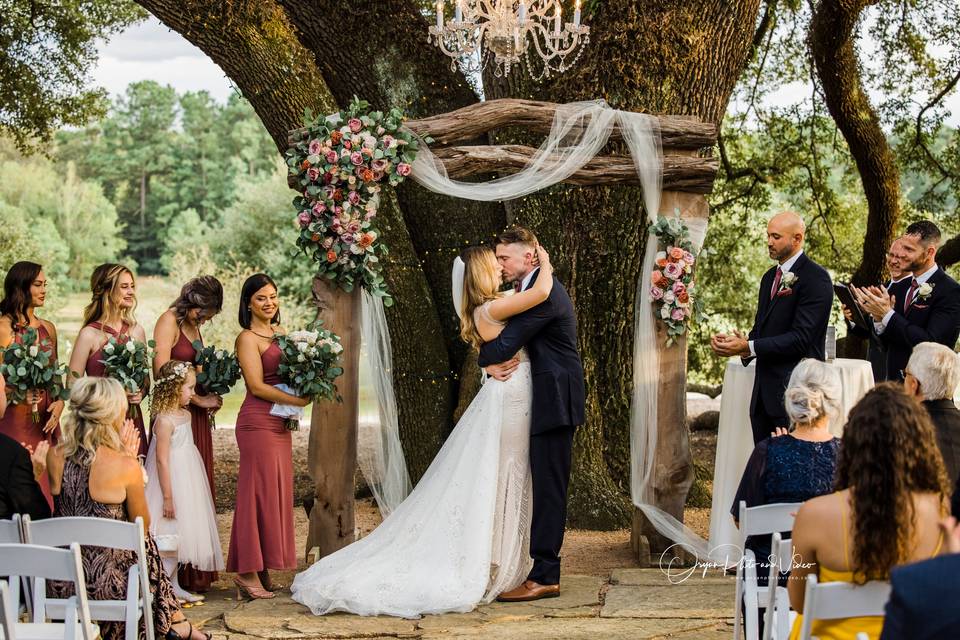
(507, 31)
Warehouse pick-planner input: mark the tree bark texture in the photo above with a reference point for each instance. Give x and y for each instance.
(832, 39)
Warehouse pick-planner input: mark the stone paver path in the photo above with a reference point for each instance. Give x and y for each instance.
(634, 604)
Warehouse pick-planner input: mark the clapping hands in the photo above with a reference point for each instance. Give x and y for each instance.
(874, 300)
(130, 438)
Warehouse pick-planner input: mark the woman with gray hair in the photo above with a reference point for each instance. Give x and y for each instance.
(800, 465)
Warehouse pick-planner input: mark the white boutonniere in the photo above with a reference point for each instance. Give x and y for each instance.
(787, 280)
(924, 291)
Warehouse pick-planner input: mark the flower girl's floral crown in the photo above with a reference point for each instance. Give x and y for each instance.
(179, 373)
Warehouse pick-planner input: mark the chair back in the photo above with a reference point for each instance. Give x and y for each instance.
(46, 563)
(776, 617)
(10, 532)
(8, 608)
(766, 519)
(99, 532)
(834, 600)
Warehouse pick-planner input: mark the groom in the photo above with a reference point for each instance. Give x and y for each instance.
(549, 332)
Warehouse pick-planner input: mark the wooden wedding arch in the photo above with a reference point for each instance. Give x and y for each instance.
(689, 170)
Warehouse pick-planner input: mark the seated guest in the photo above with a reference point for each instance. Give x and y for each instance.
(876, 354)
(932, 375)
(793, 309)
(919, 607)
(94, 472)
(801, 464)
(19, 489)
(926, 307)
(891, 492)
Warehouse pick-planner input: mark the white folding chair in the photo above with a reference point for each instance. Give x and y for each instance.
(45, 563)
(834, 600)
(776, 616)
(756, 521)
(99, 532)
(8, 612)
(11, 532)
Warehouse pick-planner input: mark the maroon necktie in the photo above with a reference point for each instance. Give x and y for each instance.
(913, 290)
(517, 285)
(776, 284)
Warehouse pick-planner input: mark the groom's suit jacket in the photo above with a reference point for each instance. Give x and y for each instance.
(788, 328)
(932, 319)
(549, 331)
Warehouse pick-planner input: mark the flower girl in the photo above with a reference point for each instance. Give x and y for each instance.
(182, 519)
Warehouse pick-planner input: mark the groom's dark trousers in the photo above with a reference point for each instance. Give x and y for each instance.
(549, 332)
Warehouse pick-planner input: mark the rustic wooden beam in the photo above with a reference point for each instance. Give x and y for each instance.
(468, 123)
(690, 174)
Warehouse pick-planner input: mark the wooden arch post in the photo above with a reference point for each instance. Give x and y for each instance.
(688, 174)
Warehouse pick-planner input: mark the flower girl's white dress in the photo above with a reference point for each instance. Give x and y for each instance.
(461, 538)
(193, 533)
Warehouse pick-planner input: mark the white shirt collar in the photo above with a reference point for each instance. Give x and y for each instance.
(527, 279)
(788, 265)
(923, 277)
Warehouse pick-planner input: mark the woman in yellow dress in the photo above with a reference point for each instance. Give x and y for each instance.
(892, 491)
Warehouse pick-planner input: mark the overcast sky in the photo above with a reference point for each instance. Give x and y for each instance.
(150, 51)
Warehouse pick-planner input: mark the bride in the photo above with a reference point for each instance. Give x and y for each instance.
(462, 536)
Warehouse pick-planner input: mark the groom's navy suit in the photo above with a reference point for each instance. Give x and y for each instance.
(549, 332)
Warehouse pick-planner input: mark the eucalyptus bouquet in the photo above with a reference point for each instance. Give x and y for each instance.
(29, 365)
(310, 363)
(217, 371)
(129, 363)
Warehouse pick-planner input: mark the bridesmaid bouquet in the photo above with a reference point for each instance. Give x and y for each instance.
(29, 365)
(309, 364)
(217, 370)
(128, 362)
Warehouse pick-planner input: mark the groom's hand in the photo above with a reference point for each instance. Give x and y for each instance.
(504, 370)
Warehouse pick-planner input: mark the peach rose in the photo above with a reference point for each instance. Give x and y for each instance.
(676, 253)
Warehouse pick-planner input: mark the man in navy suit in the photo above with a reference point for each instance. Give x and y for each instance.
(923, 595)
(549, 332)
(791, 323)
(924, 308)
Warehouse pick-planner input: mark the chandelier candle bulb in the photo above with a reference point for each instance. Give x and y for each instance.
(458, 12)
(439, 14)
(522, 13)
(556, 19)
(576, 14)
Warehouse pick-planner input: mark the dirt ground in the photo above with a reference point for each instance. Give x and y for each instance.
(594, 553)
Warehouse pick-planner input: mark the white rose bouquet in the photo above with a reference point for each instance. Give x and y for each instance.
(129, 363)
(310, 363)
(29, 365)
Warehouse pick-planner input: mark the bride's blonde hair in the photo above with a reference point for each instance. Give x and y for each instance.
(481, 283)
(93, 419)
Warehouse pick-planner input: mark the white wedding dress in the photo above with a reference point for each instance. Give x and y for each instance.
(460, 538)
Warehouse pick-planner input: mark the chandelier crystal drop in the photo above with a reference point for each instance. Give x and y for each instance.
(506, 31)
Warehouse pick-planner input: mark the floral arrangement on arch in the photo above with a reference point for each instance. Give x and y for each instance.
(339, 163)
(672, 288)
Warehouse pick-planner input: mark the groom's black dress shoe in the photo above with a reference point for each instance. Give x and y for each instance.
(530, 590)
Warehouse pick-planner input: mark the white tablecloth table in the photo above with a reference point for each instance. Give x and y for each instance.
(735, 437)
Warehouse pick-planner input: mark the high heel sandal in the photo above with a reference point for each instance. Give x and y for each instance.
(173, 635)
(251, 592)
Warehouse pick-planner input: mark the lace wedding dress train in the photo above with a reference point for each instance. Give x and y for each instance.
(460, 538)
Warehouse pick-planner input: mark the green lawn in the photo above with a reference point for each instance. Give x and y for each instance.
(154, 294)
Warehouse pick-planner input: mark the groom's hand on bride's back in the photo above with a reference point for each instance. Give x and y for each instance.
(503, 370)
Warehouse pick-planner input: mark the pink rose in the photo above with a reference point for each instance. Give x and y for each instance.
(314, 147)
(327, 242)
(673, 271)
(404, 169)
(356, 158)
(679, 287)
(354, 197)
(353, 227)
(355, 124)
(347, 144)
(332, 156)
(312, 174)
(304, 218)
(387, 141)
(677, 314)
(348, 238)
(378, 165)
(319, 208)
(688, 257)
(656, 293)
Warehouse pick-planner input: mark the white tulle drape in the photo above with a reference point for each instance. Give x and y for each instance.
(380, 455)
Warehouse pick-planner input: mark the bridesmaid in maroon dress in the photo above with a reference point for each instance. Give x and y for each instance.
(262, 535)
(110, 314)
(177, 328)
(25, 289)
